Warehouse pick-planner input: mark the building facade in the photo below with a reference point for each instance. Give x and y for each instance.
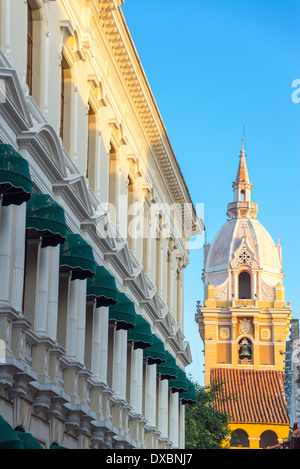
(95, 223)
(292, 374)
(245, 320)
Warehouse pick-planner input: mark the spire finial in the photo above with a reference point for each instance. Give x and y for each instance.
(242, 149)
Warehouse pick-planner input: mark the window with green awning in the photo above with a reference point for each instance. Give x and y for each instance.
(141, 335)
(102, 287)
(15, 179)
(123, 313)
(155, 354)
(179, 384)
(29, 442)
(57, 446)
(169, 369)
(190, 395)
(8, 437)
(45, 218)
(77, 256)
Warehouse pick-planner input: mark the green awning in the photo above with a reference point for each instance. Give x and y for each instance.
(76, 255)
(179, 384)
(123, 313)
(29, 442)
(169, 369)
(56, 446)
(15, 180)
(102, 287)
(141, 335)
(46, 218)
(155, 354)
(8, 437)
(189, 396)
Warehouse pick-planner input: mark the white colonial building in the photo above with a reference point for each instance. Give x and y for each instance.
(94, 229)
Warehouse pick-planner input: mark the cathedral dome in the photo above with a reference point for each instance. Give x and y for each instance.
(229, 243)
(242, 243)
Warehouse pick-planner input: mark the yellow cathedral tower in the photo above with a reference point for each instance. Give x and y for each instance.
(245, 321)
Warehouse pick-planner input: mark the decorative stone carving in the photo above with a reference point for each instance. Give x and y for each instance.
(244, 255)
(245, 326)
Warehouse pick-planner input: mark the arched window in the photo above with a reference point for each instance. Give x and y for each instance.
(242, 195)
(29, 48)
(64, 67)
(35, 50)
(113, 189)
(268, 438)
(244, 285)
(91, 169)
(131, 235)
(239, 438)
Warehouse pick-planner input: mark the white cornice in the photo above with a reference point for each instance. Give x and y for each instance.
(108, 22)
(130, 65)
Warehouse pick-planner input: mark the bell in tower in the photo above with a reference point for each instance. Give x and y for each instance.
(245, 351)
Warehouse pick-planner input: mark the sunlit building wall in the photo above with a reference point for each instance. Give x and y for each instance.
(106, 196)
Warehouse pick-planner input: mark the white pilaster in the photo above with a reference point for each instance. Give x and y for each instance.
(170, 280)
(71, 326)
(150, 394)
(81, 317)
(5, 26)
(173, 418)
(5, 252)
(235, 284)
(136, 381)
(53, 292)
(42, 292)
(139, 391)
(181, 426)
(45, 72)
(123, 368)
(163, 390)
(18, 256)
(104, 312)
(100, 343)
(33, 252)
(119, 363)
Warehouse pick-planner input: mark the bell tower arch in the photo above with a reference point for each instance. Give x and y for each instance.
(244, 281)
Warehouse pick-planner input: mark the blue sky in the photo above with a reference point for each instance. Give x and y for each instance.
(216, 67)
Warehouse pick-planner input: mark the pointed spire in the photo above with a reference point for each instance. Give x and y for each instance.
(242, 207)
(242, 174)
(242, 186)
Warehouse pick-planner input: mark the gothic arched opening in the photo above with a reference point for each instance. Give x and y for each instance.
(244, 285)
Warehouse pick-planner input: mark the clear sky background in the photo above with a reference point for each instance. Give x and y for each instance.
(215, 66)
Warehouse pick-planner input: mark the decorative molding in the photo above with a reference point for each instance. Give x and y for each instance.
(126, 56)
